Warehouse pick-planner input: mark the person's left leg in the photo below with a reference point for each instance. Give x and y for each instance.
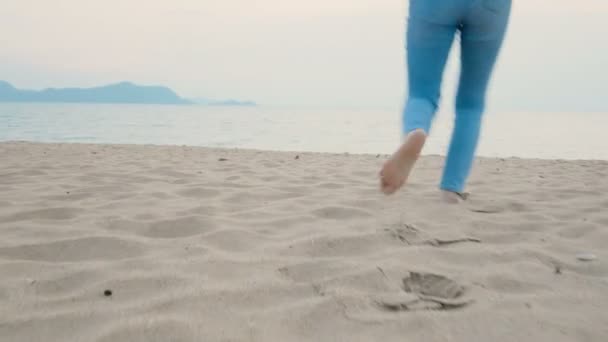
(428, 46)
(480, 45)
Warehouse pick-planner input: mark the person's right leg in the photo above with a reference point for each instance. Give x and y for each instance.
(482, 34)
(428, 46)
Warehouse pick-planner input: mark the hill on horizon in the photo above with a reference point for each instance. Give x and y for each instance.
(123, 92)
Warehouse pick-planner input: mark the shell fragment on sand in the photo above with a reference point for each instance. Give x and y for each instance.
(586, 257)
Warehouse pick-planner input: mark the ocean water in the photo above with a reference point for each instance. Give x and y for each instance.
(525, 135)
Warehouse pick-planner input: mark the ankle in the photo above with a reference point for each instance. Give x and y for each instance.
(413, 144)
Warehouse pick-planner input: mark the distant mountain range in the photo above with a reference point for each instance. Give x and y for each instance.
(124, 92)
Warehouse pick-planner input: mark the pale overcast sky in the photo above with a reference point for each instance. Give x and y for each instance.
(288, 52)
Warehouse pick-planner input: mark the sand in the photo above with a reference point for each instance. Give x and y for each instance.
(152, 243)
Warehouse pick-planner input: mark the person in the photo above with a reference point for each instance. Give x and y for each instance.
(431, 28)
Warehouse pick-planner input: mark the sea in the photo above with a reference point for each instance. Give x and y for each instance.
(539, 135)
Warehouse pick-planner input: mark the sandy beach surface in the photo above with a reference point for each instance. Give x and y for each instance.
(157, 243)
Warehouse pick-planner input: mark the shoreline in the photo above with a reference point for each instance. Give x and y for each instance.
(256, 150)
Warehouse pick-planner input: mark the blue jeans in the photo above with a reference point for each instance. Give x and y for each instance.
(432, 25)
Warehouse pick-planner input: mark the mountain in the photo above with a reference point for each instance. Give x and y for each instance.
(124, 92)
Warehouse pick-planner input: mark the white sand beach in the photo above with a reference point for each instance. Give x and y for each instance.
(157, 243)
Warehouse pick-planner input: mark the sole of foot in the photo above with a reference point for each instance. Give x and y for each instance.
(396, 170)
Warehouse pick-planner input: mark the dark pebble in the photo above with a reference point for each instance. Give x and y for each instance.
(222, 159)
(297, 157)
(107, 293)
(558, 270)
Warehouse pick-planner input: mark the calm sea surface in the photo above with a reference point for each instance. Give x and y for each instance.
(526, 135)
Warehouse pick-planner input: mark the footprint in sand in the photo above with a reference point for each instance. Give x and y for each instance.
(426, 291)
(410, 235)
(432, 285)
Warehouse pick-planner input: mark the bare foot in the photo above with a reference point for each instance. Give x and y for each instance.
(397, 169)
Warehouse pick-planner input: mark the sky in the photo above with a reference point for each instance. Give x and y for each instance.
(325, 53)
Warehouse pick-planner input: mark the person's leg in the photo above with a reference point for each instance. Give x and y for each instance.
(428, 46)
(482, 35)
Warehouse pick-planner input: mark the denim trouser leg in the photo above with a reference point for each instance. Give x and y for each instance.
(431, 29)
